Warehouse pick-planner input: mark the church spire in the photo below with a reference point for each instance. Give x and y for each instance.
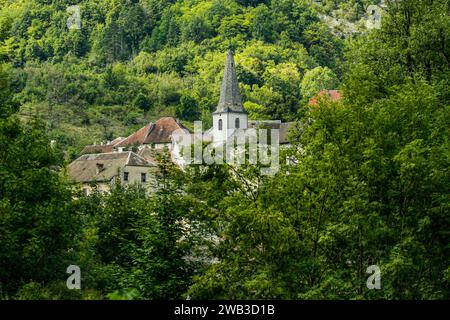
(230, 98)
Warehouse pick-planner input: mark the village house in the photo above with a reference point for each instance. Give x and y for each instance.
(99, 171)
(154, 136)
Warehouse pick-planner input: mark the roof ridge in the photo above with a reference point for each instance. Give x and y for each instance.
(96, 154)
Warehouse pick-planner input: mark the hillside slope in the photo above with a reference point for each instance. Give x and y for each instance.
(128, 62)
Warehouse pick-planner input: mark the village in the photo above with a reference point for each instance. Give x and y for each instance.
(133, 159)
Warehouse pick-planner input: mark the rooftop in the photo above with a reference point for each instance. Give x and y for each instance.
(284, 127)
(101, 148)
(333, 95)
(158, 132)
(103, 167)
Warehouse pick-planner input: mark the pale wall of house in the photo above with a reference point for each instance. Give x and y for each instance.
(134, 175)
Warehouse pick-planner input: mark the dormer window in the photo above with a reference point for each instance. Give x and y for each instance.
(236, 123)
(220, 124)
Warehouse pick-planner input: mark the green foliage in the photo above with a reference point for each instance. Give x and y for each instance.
(142, 101)
(124, 294)
(317, 79)
(38, 226)
(369, 186)
(188, 108)
(7, 105)
(140, 244)
(367, 182)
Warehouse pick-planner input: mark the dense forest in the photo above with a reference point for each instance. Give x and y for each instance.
(370, 184)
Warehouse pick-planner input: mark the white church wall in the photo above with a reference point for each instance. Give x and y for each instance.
(228, 124)
(220, 135)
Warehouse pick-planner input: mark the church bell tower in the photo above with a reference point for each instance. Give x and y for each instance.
(230, 113)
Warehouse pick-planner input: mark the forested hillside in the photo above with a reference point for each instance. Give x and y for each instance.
(133, 61)
(370, 184)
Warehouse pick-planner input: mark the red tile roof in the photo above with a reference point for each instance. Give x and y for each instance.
(163, 129)
(136, 138)
(158, 132)
(333, 95)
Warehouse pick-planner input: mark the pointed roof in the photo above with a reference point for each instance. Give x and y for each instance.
(230, 98)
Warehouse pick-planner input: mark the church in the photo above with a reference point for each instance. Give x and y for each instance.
(230, 116)
(230, 121)
(132, 159)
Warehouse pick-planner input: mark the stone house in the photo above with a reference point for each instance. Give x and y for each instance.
(101, 170)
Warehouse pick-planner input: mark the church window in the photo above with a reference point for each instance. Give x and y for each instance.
(237, 123)
(220, 124)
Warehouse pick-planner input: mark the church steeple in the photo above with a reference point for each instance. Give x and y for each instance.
(230, 114)
(230, 98)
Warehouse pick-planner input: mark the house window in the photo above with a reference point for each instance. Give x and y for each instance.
(236, 123)
(125, 176)
(220, 124)
(143, 177)
(86, 191)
